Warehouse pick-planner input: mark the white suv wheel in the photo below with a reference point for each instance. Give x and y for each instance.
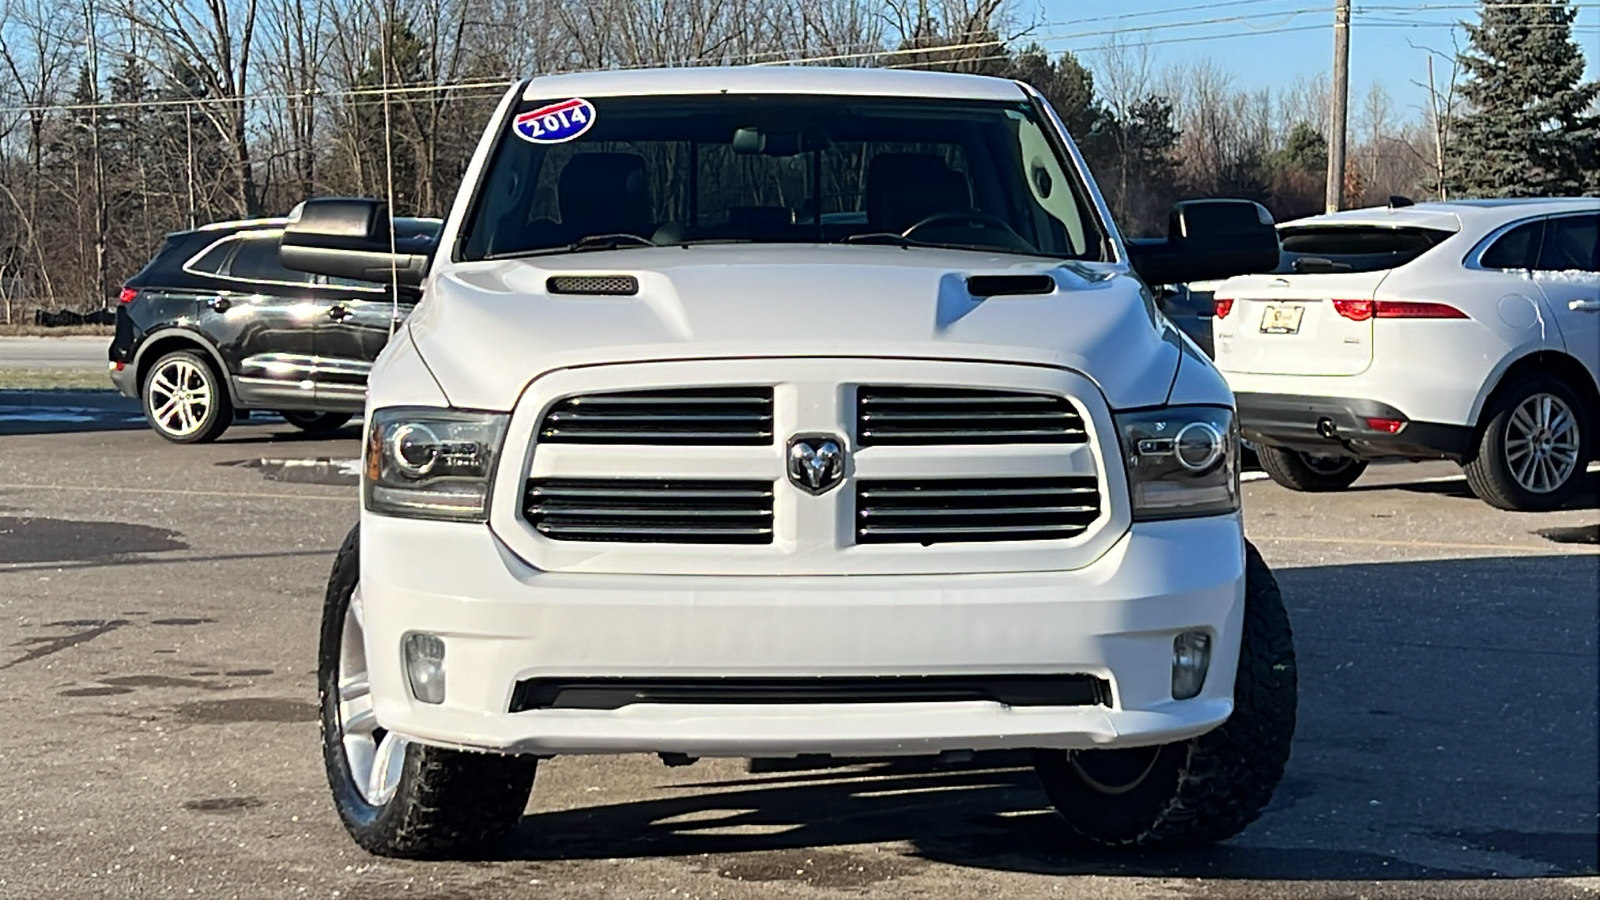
(1542, 443)
(1533, 446)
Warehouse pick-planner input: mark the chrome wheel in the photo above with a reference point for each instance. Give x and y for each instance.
(180, 397)
(376, 757)
(1541, 443)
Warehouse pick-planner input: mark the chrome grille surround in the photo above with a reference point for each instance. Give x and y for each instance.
(811, 535)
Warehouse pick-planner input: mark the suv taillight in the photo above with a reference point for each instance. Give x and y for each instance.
(1362, 310)
(1221, 306)
(1404, 309)
(127, 295)
(1354, 310)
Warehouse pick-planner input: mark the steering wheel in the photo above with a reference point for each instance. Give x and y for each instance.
(970, 217)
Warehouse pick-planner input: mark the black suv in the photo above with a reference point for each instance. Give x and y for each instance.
(215, 326)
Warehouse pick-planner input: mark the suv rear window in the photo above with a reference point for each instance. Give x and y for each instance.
(214, 259)
(257, 260)
(1354, 248)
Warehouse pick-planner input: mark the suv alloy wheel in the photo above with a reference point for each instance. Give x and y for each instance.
(184, 399)
(1534, 447)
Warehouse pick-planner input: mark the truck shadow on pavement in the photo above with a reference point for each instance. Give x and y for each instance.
(1447, 729)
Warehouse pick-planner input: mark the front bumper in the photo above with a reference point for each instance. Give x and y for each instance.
(503, 621)
(1338, 426)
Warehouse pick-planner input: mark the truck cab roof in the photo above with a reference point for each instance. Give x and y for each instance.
(774, 80)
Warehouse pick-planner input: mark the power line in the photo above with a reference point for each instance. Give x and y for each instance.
(375, 95)
(501, 84)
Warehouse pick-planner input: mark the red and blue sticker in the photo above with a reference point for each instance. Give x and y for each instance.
(556, 123)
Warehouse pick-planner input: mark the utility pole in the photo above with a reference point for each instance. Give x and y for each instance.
(1438, 132)
(1341, 103)
(98, 165)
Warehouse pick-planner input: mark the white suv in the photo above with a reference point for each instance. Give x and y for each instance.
(1467, 330)
(770, 412)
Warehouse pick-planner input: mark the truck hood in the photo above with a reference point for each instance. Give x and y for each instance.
(486, 329)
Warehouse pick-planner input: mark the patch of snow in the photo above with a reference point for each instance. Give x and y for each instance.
(1565, 276)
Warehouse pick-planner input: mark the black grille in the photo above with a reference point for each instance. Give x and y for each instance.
(935, 511)
(706, 416)
(619, 285)
(923, 415)
(615, 693)
(636, 510)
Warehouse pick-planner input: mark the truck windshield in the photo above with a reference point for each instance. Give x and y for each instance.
(620, 172)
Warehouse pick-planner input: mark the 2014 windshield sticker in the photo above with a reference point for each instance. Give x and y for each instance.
(556, 123)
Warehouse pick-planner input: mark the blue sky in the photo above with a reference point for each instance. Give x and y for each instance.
(1269, 42)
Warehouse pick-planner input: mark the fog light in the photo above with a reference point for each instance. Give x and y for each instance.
(424, 658)
(1191, 657)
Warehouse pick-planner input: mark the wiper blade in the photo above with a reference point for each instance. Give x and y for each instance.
(609, 242)
(883, 237)
(1319, 265)
(590, 242)
(891, 239)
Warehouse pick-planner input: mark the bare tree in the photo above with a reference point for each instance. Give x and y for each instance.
(210, 42)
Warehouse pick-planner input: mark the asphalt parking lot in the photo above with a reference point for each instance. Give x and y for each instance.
(158, 612)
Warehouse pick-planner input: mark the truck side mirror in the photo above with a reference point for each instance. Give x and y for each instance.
(350, 238)
(1208, 240)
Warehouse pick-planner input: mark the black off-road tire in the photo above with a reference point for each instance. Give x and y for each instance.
(1210, 787)
(1295, 471)
(1489, 472)
(218, 414)
(449, 804)
(314, 422)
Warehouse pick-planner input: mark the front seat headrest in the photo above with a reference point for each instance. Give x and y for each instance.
(605, 193)
(905, 188)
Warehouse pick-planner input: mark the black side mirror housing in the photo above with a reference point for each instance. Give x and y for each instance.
(1208, 240)
(348, 237)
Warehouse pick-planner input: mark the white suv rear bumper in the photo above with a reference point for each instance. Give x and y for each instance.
(503, 621)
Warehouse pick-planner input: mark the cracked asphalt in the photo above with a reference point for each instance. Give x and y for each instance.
(158, 614)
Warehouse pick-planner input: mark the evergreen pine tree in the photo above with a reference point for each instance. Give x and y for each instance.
(1144, 182)
(1527, 131)
(407, 58)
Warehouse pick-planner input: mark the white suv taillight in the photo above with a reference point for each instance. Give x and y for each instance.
(1362, 310)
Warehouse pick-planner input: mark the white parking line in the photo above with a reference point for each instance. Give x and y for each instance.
(1536, 549)
(346, 497)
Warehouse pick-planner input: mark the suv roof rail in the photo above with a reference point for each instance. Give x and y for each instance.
(243, 223)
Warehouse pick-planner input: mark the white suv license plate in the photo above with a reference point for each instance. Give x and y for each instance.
(1282, 319)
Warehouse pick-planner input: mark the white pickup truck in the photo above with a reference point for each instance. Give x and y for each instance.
(780, 411)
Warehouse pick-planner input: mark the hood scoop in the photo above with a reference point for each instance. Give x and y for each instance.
(593, 285)
(1008, 285)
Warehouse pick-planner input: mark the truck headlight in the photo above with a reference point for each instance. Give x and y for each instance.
(1182, 461)
(431, 463)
